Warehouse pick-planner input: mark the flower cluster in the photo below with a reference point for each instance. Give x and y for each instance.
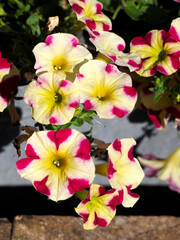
(71, 83)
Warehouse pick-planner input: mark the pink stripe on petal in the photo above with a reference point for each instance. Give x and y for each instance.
(130, 91)
(64, 83)
(4, 100)
(138, 41)
(53, 120)
(119, 112)
(111, 170)
(84, 150)
(41, 186)
(161, 69)
(99, 8)
(102, 190)
(77, 8)
(91, 24)
(74, 42)
(75, 184)
(4, 63)
(88, 105)
(96, 33)
(133, 63)
(174, 33)
(84, 216)
(113, 202)
(30, 152)
(74, 104)
(110, 191)
(134, 195)
(49, 40)
(152, 71)
(23, 163)
(175, 54)
(106, 27)
(60, 136)
(130, 154)
(121, 196)
(117, 145)
(114, 58)
(79, 76)
(175, 62)
(99, 221)
(120, 47)
(109, 68)
(148, 38)
(155, 119)
(85, 201)
(164, 35)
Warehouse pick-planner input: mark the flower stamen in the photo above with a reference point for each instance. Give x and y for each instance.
(57, 68)
(57, 163)
(58, 97)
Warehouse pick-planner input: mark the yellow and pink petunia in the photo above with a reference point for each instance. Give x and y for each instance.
(105, 89)
(165, 169)
(112, 46)
(61, 55)
(9, 80)
(52, 100)
(58, 163)
(99, 208)
(124, 171)
(90, 13)
(158, 51)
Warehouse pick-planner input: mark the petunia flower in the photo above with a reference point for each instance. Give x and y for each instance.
(99, 208)
(105, 89)
(52, 100)
(90, 13)
(58, 163)
(61, 55)
(159, 112)
(167, 170)
(158, 52)
(112, 46)
(124, 171)
(9, 80)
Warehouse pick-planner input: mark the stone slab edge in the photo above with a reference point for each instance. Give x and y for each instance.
(121, 227)
(5, 229)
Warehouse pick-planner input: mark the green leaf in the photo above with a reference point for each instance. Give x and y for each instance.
(77, 122)
(33, 23)
(157, 96)
(155, 15)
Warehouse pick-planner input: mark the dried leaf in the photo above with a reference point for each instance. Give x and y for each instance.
(23, 137)
(29, 129)
(13, 113)
(52, 23)
(17, 142)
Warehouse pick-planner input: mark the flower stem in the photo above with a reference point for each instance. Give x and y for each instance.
(116, 12)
